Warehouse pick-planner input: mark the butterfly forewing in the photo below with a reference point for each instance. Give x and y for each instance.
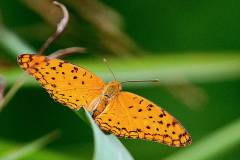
(132, 116)
(68, 84)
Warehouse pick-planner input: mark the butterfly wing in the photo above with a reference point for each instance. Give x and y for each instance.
(66, 83)
(131, 116)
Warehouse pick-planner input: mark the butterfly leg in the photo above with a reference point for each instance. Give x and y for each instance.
(99, 105)
(94, 104)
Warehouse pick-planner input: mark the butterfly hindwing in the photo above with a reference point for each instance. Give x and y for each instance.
(68, 84)
(132, 116)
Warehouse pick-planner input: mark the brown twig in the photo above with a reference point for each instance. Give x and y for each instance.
(67, 51)
(60, 28)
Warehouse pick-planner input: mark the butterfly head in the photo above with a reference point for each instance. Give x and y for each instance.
(112, 89)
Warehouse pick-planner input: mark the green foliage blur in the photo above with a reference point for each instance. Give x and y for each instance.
(191, 46)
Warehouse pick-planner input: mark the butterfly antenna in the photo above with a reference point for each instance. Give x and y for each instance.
(105, 61)
(152, 80)
(60, 27)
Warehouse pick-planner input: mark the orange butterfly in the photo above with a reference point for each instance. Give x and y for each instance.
(121, 113)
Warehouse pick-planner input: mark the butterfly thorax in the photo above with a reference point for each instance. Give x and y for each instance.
(112, 89)
(98, 105)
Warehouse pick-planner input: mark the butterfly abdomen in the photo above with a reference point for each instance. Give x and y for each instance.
(109, 92)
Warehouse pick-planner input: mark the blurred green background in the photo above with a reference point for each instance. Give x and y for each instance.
(191, 46)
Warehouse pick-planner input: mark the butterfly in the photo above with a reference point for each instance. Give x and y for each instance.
(121, 113)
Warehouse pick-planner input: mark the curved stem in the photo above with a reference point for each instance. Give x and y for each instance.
(60, 28)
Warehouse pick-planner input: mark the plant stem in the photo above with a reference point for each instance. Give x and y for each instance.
(18, 84)
(31, 147)
(11, 42)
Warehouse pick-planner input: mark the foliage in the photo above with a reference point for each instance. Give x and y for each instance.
(191, 54)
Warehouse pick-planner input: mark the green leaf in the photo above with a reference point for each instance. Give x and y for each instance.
(106, 146)
(169, 69)
(30, 148)
(12, 43)
(213, 145)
